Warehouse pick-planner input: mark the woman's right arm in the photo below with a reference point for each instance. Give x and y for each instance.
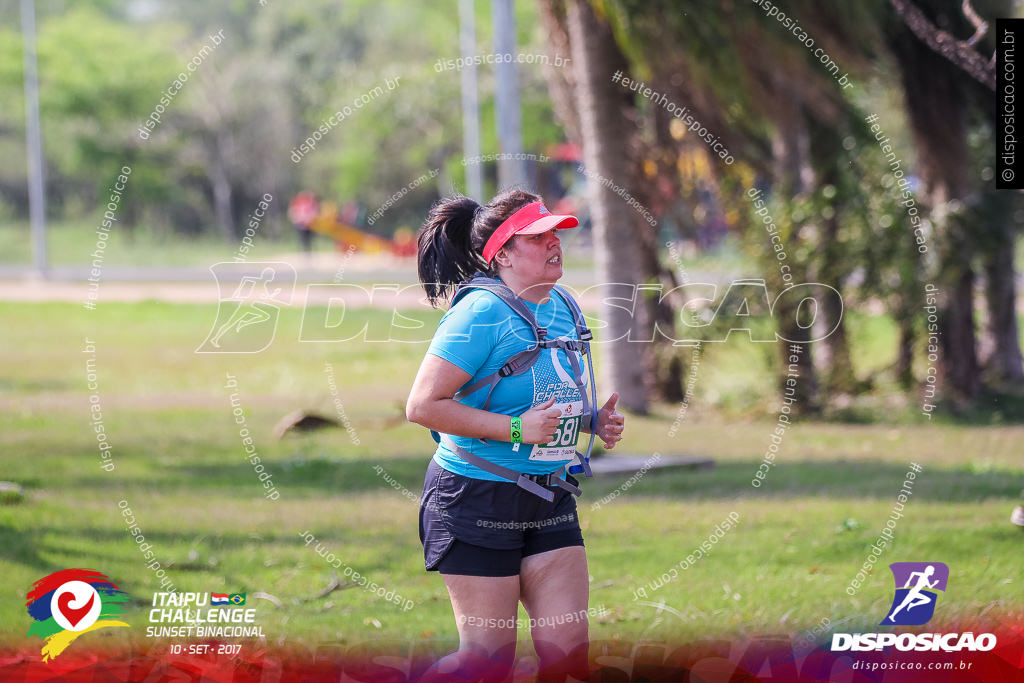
(432, 405)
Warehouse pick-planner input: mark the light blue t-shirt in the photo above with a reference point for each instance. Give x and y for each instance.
(479, 334)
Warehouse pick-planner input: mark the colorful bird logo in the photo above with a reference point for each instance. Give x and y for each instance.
(70, 602)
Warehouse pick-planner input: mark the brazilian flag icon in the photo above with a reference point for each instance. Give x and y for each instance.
(236, 598)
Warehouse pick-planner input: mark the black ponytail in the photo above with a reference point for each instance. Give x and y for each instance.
(451, 241)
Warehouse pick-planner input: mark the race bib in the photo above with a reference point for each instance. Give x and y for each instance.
(552, 378)
(563, 446)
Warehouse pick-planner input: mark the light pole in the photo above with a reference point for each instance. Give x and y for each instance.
(511, 171)
(34, 140)
(470, 106)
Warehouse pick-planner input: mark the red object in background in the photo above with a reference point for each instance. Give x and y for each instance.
(565, 151)
(349, 213)
(403, 243)
(303, 209)
(567, 204)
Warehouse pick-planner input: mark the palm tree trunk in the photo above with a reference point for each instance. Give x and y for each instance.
(604, 131)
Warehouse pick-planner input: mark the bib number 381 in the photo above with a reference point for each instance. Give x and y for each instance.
(567, 434)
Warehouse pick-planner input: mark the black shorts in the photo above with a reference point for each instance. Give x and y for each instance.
(478, 527)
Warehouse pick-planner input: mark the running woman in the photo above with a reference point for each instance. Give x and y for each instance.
(494, 542)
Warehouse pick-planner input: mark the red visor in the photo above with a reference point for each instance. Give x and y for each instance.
(532, 219)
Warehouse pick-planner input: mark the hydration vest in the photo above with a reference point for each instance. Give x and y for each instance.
(520, 363)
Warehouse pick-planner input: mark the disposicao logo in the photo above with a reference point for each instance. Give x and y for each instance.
(916, 583)
(70, 602)
(914, 605)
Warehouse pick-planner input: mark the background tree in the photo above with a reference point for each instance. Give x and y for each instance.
(603, 130)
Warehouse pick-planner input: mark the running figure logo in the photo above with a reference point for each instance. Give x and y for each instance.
(247, 317)
(916, 583)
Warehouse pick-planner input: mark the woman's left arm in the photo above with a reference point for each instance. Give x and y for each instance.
(610, 423)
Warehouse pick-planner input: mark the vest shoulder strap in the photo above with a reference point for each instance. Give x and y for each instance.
(582, 331)
(503, 292)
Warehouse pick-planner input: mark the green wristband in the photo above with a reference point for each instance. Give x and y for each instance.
(517, 430)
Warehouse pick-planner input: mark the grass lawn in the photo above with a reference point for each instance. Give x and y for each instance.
(180, 465)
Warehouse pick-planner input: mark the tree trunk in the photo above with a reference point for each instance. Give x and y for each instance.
(960, 365)
(603, 130)
(220, 183)
(666, 367)
(561, 82)
(834, 362)
(935, 95)
(905, 352)
(1003, 363)
(793, 176)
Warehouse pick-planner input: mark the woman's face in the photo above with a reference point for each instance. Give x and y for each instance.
(534, 259)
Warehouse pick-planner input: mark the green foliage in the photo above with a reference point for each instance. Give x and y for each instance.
(282, 69)
(98, 78)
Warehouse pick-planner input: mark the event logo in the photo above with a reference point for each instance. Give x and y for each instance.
(202, 615)
(914, 605)
(916, 583)
(70, 602)
(247, 318)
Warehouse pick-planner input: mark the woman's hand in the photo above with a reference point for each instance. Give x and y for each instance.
(541, 422)
(610, 423)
